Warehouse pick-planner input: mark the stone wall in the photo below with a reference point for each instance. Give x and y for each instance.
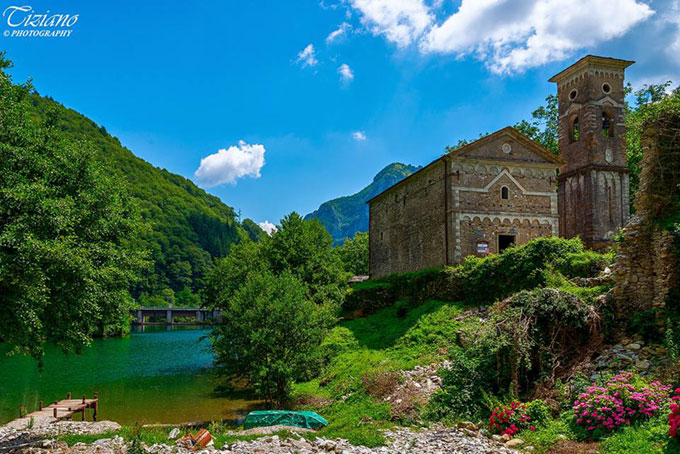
(407, 224)
(647, 266)
(644, 270)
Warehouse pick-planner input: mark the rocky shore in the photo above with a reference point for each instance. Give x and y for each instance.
(43, 439)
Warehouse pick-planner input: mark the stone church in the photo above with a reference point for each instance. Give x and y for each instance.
(506, 189)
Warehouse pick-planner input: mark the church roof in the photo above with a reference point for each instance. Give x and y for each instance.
(531, 146)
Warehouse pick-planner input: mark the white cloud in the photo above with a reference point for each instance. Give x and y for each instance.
(228, 165)
(400, 21)
(508, 35)
(307, 56)
(267, 227)
(338, 33)
(346, 73)
(359, 136)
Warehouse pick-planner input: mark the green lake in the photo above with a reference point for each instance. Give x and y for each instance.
(157, 374)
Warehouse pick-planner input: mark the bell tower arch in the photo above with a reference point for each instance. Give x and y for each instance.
(593, 184)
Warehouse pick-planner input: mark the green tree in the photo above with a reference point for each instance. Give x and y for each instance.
(305, 249)
(637, 116)
(354, 254)
(186, 298)
(231, 273)
(270, 335)
(66, 233)
(543, 126)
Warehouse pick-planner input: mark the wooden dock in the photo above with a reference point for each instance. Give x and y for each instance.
(65, 409)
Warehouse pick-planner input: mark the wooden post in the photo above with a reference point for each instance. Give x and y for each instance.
(83, 398)
(55, 412)
(41, 405)
(96, 406)
(21, 412)
(68, 396)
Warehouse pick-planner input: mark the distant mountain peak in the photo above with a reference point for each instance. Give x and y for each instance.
(344, 216)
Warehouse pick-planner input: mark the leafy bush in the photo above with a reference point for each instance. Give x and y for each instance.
(488, 279)
(419, 286)
(368, 297)
(339, 340)
(463, 387)
(623, 400)
(535, 335)
(483, 281)
(270, 335)
(583, 264)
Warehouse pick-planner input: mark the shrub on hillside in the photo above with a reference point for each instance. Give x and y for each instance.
(423, 285)
(482, 281)
(536, 335)
(464, 384)
(624, 399)
(368, 297)
(583, 264)
(488, 279)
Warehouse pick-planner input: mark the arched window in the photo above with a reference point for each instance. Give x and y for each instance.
(607, 127)
(575, 132)
(505, 193)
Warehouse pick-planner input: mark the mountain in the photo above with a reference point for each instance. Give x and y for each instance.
(345, 216)
(185, 227)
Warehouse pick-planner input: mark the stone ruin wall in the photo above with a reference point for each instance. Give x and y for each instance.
(646, 267)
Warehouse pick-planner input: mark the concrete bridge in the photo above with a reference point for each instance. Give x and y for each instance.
(170, 313)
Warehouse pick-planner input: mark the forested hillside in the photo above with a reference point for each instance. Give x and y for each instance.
(345, 216)
(184, 227)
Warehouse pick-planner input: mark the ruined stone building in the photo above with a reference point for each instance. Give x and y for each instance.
(504, 188)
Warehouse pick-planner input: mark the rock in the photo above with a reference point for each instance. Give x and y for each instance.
(174, 433)
(514, 442)
(505, 437)
(528, 448)
(467, 425)
(642, 364)
(634, 347)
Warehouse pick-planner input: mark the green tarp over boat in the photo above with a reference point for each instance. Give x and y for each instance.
(305, 419)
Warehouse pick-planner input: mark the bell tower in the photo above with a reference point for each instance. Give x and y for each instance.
(593, 182)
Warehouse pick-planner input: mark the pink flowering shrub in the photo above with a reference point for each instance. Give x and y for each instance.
(674, 417)
(510, 420)
(618, 403)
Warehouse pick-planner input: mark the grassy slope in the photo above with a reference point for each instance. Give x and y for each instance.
(385, 342)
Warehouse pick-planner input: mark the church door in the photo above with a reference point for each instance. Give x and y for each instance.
(505, 241)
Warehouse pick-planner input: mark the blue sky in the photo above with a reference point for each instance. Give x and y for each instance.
(303, 114)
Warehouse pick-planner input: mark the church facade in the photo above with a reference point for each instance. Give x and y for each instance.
(506, 189)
